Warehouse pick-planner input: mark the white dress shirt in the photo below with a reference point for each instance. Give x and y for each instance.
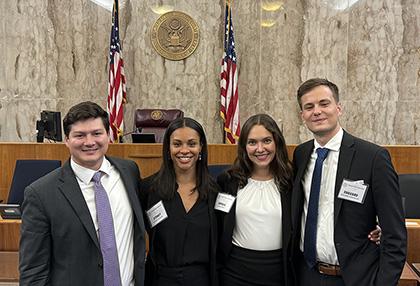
(258, 216)
(122, 213)
(325, 247)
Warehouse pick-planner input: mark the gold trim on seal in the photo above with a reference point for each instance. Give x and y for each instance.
(156, 114)
(175, 35)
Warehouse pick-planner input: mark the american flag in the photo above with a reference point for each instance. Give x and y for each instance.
(116, 89)
(229, 100)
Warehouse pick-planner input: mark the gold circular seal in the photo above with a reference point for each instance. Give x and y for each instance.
(175, 35)
(156, 115)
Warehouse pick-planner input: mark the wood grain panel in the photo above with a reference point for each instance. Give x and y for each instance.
(9, 262)
(9, 234)
(406, 158)
(408, 277)
(413, 240)
(221, 153)
(147, 156)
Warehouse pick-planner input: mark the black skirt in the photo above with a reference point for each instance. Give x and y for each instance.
(247, 267)
(192, 275)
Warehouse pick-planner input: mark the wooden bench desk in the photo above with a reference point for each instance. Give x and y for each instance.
(408, 277)
(9, 247)
(9, 234)
(413, 240)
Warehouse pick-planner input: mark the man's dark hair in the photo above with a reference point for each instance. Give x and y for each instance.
(310, 84)
(83, 111)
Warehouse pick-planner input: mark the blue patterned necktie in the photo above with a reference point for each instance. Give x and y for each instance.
(309, 245)
(107, 241)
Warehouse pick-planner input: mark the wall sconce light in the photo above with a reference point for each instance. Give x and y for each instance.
(271, 5)
(267, 23)
(162, 9)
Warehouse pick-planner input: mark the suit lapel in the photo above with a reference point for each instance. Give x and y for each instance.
(302, 160)
(131, 188)
(71, 190)
(344, 164)
(304, 157)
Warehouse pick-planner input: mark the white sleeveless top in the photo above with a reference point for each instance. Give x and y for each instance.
(258, 216)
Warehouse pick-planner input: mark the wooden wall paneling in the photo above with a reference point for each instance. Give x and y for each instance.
(290, 150)
(147, 156)
(9, 235)
(221, 154)
(413, 240)
(406, 159)
(116, 150)
(9, 263)
(56, 151)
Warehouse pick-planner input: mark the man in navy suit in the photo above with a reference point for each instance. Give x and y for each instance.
(356, 186)
(62, 237)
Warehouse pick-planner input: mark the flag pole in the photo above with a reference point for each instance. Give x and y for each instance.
(227, 40)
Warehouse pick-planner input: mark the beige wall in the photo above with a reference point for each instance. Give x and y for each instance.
(54, 54)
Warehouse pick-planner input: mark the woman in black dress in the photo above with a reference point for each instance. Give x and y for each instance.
(178, 201)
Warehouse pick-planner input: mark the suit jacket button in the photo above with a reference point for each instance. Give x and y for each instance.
(100, 264)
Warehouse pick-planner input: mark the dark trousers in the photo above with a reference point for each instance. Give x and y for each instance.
(311, 277)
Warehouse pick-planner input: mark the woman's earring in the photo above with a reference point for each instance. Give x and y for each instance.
(199, 157)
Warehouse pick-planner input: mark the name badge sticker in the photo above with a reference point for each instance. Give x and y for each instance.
(224, 202)
(156, 214)
(354, 191)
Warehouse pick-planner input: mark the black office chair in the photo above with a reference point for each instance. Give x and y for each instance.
(410, 191)
(216, 170)
(26, 172)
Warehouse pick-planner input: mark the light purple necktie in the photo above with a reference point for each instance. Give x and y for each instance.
(106, 234)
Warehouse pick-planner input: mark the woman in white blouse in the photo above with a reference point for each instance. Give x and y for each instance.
(253, 209)
(256, 229)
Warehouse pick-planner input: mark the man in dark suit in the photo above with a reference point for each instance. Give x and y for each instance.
(342, 185)
(82, 224)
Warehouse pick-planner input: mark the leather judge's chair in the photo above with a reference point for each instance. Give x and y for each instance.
(26, 172)
(155, 121)
(410, 192)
